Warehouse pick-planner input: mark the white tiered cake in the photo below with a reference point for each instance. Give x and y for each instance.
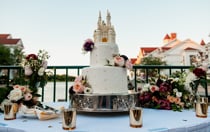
(102, 78)
(103, 86)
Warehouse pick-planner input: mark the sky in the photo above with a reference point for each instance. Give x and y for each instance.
(61, 26)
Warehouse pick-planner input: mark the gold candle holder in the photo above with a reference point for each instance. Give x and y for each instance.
(135, 117)
(69, 119)
(201, 107)
(9, 111)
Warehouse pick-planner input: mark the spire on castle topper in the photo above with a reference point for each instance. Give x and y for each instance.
(105, 31)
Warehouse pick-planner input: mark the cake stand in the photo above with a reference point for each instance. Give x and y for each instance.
(104, 102)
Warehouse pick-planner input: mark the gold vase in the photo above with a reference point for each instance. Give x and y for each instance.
(201, 107)
(10, 110)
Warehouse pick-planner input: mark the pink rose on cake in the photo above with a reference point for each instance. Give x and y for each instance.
(121, 61)
(80, 86)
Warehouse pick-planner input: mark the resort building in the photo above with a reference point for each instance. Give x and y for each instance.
(12, 43)
(177, 52)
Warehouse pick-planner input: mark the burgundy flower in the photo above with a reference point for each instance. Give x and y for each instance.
(199, 72)
(88, 45)
(164, 104)
(165, 87)
(32, 57)
(145, 97)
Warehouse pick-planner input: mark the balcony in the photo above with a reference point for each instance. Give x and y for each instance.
(6, 79)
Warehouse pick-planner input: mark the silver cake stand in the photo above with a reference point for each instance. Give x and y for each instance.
(104, 102)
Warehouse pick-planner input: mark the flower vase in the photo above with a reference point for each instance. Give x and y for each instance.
(10, 110)
(201, 107)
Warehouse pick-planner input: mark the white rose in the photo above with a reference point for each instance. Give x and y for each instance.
(15, 95)
(41, 71)
(178, 94)
(145, 88)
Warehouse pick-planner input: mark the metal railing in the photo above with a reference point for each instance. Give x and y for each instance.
(146, 68)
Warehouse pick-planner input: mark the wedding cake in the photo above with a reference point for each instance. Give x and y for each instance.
(107, 73)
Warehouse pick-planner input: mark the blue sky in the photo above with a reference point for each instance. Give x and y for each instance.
(61, 26)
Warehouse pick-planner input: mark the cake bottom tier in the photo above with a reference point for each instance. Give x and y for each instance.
(106, 79)
(104, 102)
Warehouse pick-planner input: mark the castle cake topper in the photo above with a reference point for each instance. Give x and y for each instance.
(105, 31)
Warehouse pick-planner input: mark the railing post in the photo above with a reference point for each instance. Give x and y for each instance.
(66, 84)
(54, 86)
(135, 83)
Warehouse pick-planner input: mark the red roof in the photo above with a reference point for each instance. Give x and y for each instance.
(148, 49)
(133, 60)
(167, 37)
(202, 42)
(165, 48)
(4, 36)
(9, 41)
(189, 48)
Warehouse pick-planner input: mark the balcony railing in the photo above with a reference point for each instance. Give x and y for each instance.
(77, 69)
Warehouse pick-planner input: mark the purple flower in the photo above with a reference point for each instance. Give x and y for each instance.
(88, 45)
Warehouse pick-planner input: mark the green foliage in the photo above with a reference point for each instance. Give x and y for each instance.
(4, 91)
(6, 57)
(150, 60)
(10, 58)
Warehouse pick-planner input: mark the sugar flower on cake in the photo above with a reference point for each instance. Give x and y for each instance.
(81, 86)
(88, 46)
(120, 61)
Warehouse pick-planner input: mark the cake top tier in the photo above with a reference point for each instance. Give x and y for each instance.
(105, 31)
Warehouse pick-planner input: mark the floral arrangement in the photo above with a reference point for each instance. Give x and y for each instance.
(81, 86)
(25, 88)
(196, 78)
(35, 69)
(20, 95)
(121, 61)
(166, 93)
(88, 46)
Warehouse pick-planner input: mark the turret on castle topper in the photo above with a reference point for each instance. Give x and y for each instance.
(105, 31)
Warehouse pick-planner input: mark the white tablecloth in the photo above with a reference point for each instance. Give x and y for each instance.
(153, 121)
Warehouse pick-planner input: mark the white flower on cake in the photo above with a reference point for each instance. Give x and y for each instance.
(88, 90)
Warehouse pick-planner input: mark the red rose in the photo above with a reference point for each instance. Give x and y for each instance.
(199, 72)
(31, 56)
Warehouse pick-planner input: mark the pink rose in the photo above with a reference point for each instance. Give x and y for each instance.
(44, 64)
(128, 65)
(119, 61)
(28, 70)
(78, 87)
(78, 79)
(27, 96)
(154, 88)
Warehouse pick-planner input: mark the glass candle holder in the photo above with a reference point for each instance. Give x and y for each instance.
(69, 119)
(135, 117)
